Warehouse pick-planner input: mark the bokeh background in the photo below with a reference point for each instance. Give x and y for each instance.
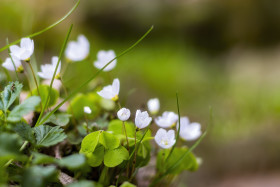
(216, 54)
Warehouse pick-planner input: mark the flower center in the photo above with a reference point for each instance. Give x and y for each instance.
(115, 98)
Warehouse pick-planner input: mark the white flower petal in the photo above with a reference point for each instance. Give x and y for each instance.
(110, 91)
(8, 64)
(48, 70)
(190, 131)
(166, 120)
(153, 105)
(78, 50)
(116, 86)
(142, 119)
(104, 57)
(25, 50)
(123, 114)
(87, 110)
(165, 139)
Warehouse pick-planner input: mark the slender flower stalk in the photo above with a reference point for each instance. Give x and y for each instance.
(71, 108)
(29, 84)
(123, 115)
(35, 80)
(135, 153)
(87, 110)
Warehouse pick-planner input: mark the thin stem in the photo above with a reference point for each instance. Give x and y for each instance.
(29, 85)
(131, 154)
(7, 74)
(135, 153)
(127, 143)
(178, 132)
(35, 80)
(86, 122)
(53, 77)
(7, 41)
(71, 108)
(127, 170)
(21, 149)
(126, 136)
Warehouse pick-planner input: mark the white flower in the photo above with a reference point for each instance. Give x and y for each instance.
(25, 50)
(78, 50)
(103, 57)
(8, 64)
(142, 119)
(123, 114)
(111, 91)
(153, 105)
(47, 70)
(165, 139)
(189, 131)
(167, 119)
(87, 110)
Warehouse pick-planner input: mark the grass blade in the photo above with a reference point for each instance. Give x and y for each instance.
(178, 131)
(59, 61)
(45, 29)
(91, 78)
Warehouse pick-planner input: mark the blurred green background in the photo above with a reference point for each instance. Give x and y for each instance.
(219, 54)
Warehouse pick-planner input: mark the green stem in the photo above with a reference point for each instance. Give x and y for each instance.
(35, 80)
(12, 60)
(50, 89)
(178, 132)
(132, 153)
(135, 153)
(71, 108)
(7, 74)
(29, 84)
(86, 122)
(21, 149)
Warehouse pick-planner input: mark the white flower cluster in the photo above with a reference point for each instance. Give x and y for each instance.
(142, 119)
(165, 139)
(75, 51)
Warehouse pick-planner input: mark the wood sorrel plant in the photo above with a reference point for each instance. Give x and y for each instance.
(95, 140)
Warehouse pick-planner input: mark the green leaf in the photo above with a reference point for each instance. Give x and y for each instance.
(95, 159)
(72, 162)
(116, 126)
(108, 140)
(127, 184)
(25, 131)
(38, 176)
(44, 91)
(39, 158)
(84, 183)
(9, 147)
(9, 95)
(114, 157)
(189, 162)
(90, 142)
(80, 101)
(61, 119)
(48, 136)
(24, 108)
